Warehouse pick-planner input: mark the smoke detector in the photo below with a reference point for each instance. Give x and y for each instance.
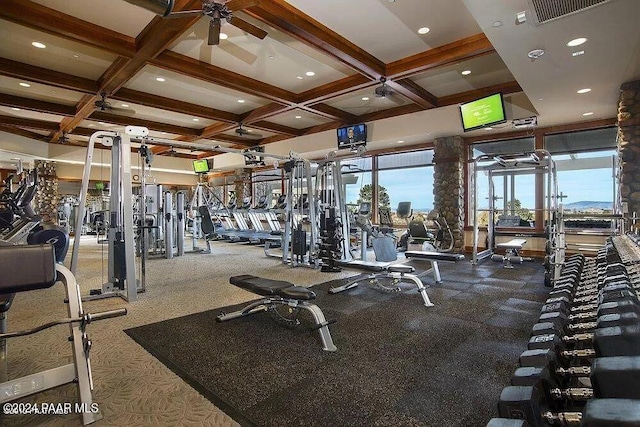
(535, 54)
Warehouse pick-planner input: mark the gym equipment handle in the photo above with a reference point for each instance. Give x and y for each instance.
(87, 318)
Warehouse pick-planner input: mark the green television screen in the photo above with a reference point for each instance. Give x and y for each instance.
(200, 166)
(483, 112)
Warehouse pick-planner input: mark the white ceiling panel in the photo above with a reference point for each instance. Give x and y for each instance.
(60, 54)
(277, 60)
(389, 31)
(299, 119)
(26, 114)
(157, 115)
(188, 89)
(11, 86)
(486, 70)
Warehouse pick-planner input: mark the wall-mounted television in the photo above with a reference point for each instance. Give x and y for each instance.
(352, 136)
(483, 112)
(201, 166)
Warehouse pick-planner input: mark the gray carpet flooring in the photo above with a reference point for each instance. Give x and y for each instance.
(398, 363)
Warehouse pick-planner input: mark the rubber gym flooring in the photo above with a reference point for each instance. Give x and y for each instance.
(398, 363)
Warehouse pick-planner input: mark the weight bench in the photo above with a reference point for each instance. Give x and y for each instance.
(31, 267)
(511, 254)
(397, 273)
(279, 292)
(434, 258)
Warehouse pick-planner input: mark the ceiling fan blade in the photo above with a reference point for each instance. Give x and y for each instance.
(236, 5)
(214, 32)
(249, 28)
(184, 14)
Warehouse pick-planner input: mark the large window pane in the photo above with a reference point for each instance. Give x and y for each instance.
(413, 185)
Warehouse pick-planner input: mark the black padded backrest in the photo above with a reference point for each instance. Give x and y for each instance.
(385, 216)
(417, 229)
(404, 210)
(26, 268)
(206, 224)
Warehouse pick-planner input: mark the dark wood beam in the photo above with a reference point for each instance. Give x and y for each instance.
(467, 48)
(83, 109)
(32, 73)
(286, 18)
(156, 101)
(36, 105)
(210, 73)
(332, 113)
(47, 20)
(28, 123)
(336, 88)
(264, 112)
(157, 126)
(22, 132)
(414, 92)
(458, 98)
(274, 127)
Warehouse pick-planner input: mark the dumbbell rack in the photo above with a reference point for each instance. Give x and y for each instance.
(582, 366)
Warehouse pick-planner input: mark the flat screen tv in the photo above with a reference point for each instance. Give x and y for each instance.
(201, 166)
(352, 136)
(483, 112)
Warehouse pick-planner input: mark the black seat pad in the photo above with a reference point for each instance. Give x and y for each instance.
(269, 287)
(400, 269)
(26, 268)
(434, 256)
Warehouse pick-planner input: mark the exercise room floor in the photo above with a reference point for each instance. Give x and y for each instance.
(132, 387)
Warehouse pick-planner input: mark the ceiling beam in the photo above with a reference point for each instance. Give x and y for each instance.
(414, 92)
(291, 21)
(264, 112)
(28, 123)
(156, 101)
(219, 76)
(332, 113)
(36, 105)
(32, 73)
(117, 119)
(51, 21)
(467, 48)
(470, 95)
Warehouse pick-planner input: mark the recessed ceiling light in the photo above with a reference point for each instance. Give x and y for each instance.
(38, 45)
(365, 98)
(489, 128)
(578, 53)
(540, 99)
(497, 24)
(15, 109)
(423, 30)
(298, 117)
(310, 73)
(588, 113)
(299, 77)
(91, 125)
(241, 101)
(271, 57)
(102, 123)
(163, 133)
(400, 142)
(76, 56)
(585, 90)
(160, 79)
(576, 42)
(223, 36)
(466, 72)
(196, 120)
(23, 84)
(124, 105)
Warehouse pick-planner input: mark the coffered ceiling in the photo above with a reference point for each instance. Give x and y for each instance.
(316, 69)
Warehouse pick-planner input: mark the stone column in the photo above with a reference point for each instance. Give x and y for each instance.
(242, 184)
(629, 144)
(448, 185)
(46, 199)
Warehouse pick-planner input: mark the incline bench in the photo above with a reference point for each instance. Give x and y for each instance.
(434, 258)
(511, 254)
(279, 292)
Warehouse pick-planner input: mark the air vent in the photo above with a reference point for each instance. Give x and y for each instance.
(548, 10)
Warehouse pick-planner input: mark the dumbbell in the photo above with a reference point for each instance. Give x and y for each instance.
(614, 377)
(525, 403)
(599, 296)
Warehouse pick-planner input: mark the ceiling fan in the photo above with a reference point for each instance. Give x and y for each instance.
(103, 105)
(218, 11)
(63, 139)
(246, 134)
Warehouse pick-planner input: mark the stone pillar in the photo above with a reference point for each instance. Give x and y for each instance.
(448, 185)
(242, 184)
(629, 144)
(46, 199)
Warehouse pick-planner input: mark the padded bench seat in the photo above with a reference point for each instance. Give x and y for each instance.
(512, 244)
(268, 287)
(27, 268)
(435, 256)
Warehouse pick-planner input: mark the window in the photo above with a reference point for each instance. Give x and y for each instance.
(357, 178)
